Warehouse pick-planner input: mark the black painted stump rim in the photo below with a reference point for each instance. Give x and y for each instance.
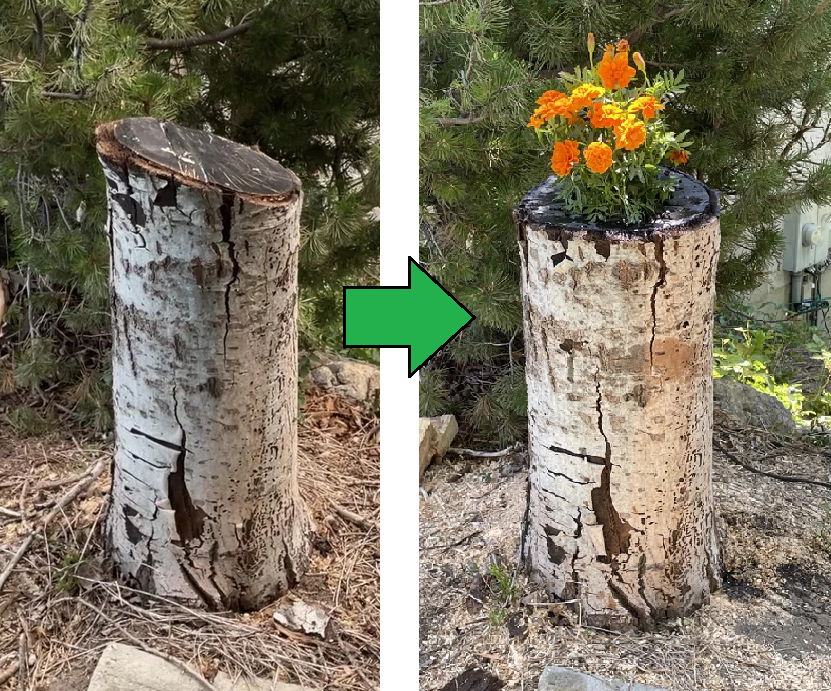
(691, 206)
(196, 158)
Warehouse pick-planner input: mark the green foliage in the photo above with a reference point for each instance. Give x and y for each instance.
(503, 590)
(65, 576)
(300, 81)
(755, 109)
(760, 354)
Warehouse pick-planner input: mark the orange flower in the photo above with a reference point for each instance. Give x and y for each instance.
(590, 42)
(622, 45)
(679, 156)
(630, 134)
(647, 104)
(549, 96)
(637, 58)
(535, 121)
(565, 155)
(615, 71)
(598, 157)
(606, 115)
(583, 95)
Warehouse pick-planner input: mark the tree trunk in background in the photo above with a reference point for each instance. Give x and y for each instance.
(204, 235)
(618, 338)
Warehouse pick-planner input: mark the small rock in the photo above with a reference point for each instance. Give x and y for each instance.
(297, 615)
(564, 679)
(360, 381)
(436, 434)
(751, 407)
(454, 477)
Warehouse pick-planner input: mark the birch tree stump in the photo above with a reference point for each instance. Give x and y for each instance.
(618, 337)
(204, 235)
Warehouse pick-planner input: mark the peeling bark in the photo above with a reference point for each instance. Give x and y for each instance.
(618, 334)
(205, 503)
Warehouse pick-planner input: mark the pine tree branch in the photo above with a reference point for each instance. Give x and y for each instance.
(64, 96)
(469, 120)
(638, 33)
(193, 41)
(436, 3)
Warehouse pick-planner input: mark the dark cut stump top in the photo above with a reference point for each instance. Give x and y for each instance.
(196, 158)
(691, 206)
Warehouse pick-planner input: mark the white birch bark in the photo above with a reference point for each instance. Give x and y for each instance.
(618, 338)
(205, 505)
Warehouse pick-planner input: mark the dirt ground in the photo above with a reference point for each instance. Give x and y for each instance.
(768, 629)
(60, 608)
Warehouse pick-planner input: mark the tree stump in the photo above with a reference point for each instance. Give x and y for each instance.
(204, 235)
(618, 341)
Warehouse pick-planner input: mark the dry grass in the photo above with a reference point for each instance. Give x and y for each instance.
(59, 610)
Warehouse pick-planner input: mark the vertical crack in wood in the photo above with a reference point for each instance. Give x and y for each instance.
(226, 210)
(189, 518)
(662, 276)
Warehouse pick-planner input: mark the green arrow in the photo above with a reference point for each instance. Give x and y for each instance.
(421, 316)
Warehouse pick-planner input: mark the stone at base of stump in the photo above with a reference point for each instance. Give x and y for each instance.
(125, 668)
(360, 381)
(435, 435)
(565, 679)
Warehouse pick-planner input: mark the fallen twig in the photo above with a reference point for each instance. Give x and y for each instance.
(775, 476)
(9, 672)
(147, 649)
(486, 454)
(347, 515)
(89, 477)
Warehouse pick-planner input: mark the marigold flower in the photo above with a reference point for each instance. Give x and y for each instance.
(584, 94)
(598, 157)
(565, 155)
(637, 58)
(590, 42)
(679, 156)
(647, 104)
(630, 134)
(606, 115)
(549, 96)
(622, 45)
(535, 121)
(615, 72)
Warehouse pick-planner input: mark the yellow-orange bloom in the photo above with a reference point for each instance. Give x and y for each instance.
(640, 63)
(647, 104)
(535, 121)
(630, 134)
(615, 72)
(598, 157)
(550, 96)
(565, 155)
(622, 45)
(590, 42)
(606, 115)
(679, 156)
(584, 94)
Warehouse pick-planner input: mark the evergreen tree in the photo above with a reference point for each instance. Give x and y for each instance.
(757, 109)
(297, 78)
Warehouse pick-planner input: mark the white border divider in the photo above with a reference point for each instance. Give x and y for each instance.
(399, 394)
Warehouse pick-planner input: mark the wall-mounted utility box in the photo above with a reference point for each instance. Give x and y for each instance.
(807, 238)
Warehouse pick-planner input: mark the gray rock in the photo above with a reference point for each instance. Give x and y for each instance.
(125, 668)
(564, 679)
(751, 407)
(360, 381)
